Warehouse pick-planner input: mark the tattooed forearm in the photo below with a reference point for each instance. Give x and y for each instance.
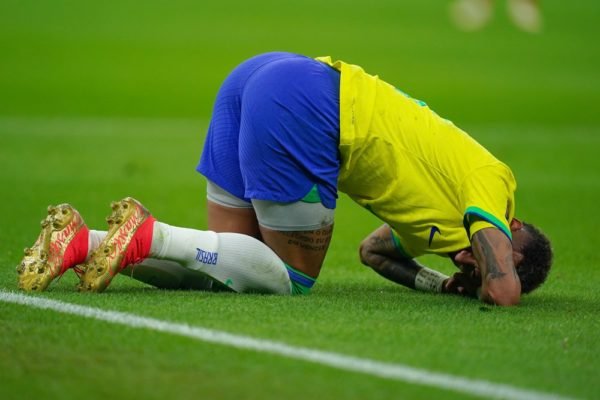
(491, 255)
(494, 254)
(379, 252)
(383, 245)
(403, 272)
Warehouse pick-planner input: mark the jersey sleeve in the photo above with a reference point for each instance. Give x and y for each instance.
(487, 197)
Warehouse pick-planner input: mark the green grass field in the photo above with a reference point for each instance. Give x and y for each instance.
(106, 100)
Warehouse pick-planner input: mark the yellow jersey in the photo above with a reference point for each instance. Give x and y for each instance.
(426, 178)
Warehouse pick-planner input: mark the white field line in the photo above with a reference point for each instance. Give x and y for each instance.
(397, 372)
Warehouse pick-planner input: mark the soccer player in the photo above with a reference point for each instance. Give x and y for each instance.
(287, 132)
(473, 15)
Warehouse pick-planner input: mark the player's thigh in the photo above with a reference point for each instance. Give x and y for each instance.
(289, 132)
(220, 161)
(228, 213)
(236, 220)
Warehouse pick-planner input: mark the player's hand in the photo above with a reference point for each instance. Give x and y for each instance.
(463, 284)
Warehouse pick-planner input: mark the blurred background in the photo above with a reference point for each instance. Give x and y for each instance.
(105, 99)
(162, 58)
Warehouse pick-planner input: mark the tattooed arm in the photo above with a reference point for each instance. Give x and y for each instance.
(379, 252)
(494, 255)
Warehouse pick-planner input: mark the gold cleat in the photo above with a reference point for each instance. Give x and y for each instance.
(61, 244)
(129, 223)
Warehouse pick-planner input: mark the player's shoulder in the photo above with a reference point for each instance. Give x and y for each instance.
(489, 169)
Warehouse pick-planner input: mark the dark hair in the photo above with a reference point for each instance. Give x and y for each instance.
(537, 259)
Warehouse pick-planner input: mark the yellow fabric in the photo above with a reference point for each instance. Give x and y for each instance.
(414, 170)
(478, 225)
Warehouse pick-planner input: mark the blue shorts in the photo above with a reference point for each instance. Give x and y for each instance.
(274, 132)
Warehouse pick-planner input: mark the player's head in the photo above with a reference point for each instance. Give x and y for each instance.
(532, 256)
(536, 256)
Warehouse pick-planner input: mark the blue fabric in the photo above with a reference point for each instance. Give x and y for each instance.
(301, 283)
(274, 132)
(304, 280)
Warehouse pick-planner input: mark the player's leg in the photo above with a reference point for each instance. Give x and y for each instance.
(66, 241)
(239, 261)
(525, 14)
(162, 274)
(289, 160)
(471, 15)
(230, 252)
(244, 263)
(297, 235)
(302, 250)
(264, 148)
(228, 210)
(300, 233)
(165, 274)
(227, 213)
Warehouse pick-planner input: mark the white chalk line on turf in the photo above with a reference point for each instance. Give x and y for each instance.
(380, 369)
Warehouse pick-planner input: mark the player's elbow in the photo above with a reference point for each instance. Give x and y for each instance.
(363, 253)
(503, 296)
(366, 254)
(506, 300)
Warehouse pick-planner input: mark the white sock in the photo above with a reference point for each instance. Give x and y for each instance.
(238, 261)
(162, 274)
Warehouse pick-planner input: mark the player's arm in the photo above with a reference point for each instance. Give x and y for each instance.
(500, 283)
(379, 252)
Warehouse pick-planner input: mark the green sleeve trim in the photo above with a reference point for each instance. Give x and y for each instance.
(398, 245)
(487, 217)
(312, 196)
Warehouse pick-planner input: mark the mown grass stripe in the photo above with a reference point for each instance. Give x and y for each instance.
(366, 366)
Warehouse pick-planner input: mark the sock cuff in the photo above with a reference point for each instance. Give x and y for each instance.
(161, 239)
(301, 283)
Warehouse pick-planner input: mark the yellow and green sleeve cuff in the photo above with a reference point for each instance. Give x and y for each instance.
(476, 219)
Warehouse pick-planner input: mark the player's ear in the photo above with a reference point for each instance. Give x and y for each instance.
(517, 257)
(516, 224)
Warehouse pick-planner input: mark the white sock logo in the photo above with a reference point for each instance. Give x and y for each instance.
(206, 257)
